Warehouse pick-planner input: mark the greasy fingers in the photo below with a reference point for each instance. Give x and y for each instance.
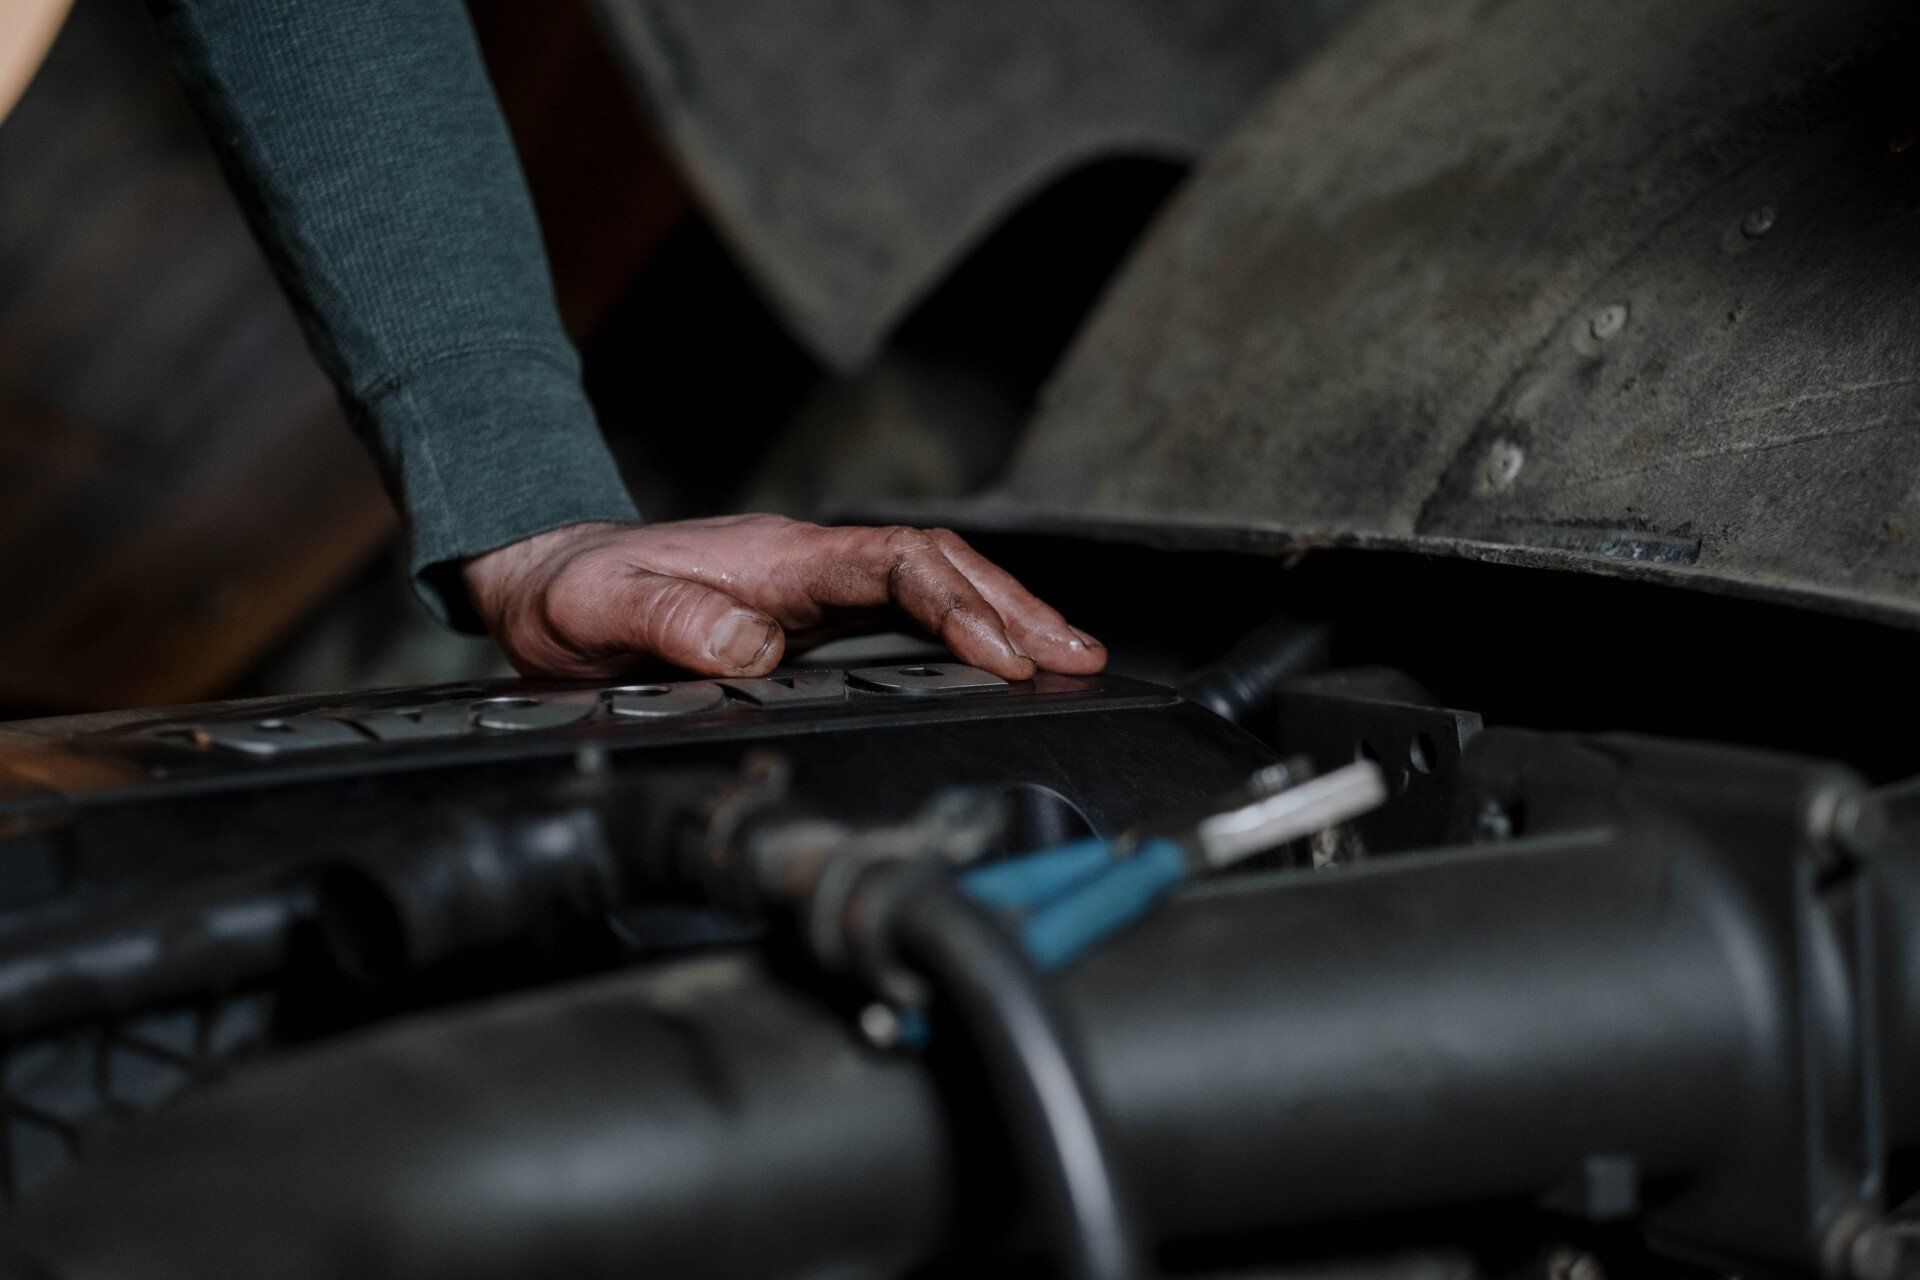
(718, 596)
(1033, 623)
(906, 568)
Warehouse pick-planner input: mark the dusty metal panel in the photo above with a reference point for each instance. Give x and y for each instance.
(854, 149)
(1630, 287)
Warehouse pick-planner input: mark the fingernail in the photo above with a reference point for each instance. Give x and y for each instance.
(1081, 640)
(739, 640)
(1015, 645)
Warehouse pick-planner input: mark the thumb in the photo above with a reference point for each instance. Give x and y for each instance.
(654, 615)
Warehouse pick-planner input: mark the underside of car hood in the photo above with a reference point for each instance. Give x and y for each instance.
(1623, 288)
(853, 152)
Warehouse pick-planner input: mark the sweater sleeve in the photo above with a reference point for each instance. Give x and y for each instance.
(365, 143)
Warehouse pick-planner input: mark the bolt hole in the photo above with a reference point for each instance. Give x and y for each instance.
(1421, 753)
(919, 673)
(510, 702)
(640, 691)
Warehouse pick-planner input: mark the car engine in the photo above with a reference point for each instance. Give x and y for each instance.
(437, 1000)
(1493, 852)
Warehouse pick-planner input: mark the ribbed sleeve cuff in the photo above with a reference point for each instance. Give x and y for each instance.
(488, 448)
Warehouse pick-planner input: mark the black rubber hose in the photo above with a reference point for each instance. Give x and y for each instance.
(1035, 1076)
(228, 936)
(1242, 680)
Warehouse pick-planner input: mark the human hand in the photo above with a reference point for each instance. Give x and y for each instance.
(729, 596)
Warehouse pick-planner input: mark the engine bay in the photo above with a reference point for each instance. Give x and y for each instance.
(397, 985)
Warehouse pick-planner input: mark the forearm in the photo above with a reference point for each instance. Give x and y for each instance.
(365, 143)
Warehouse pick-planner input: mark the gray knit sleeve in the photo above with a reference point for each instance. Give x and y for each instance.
(367, 147)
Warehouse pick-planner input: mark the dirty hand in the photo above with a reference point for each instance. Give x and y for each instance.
(727, 596)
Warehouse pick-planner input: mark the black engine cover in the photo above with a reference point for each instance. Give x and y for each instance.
(107, 821)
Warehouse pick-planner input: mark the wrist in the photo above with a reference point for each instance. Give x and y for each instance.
(494, 578)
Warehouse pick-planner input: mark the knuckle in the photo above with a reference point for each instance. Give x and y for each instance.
(904, 540)
(779, 527)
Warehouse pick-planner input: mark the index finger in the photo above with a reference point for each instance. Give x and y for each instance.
(871, 567)
(1034, 623)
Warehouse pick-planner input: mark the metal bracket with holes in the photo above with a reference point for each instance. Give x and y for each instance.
(1379, 714)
